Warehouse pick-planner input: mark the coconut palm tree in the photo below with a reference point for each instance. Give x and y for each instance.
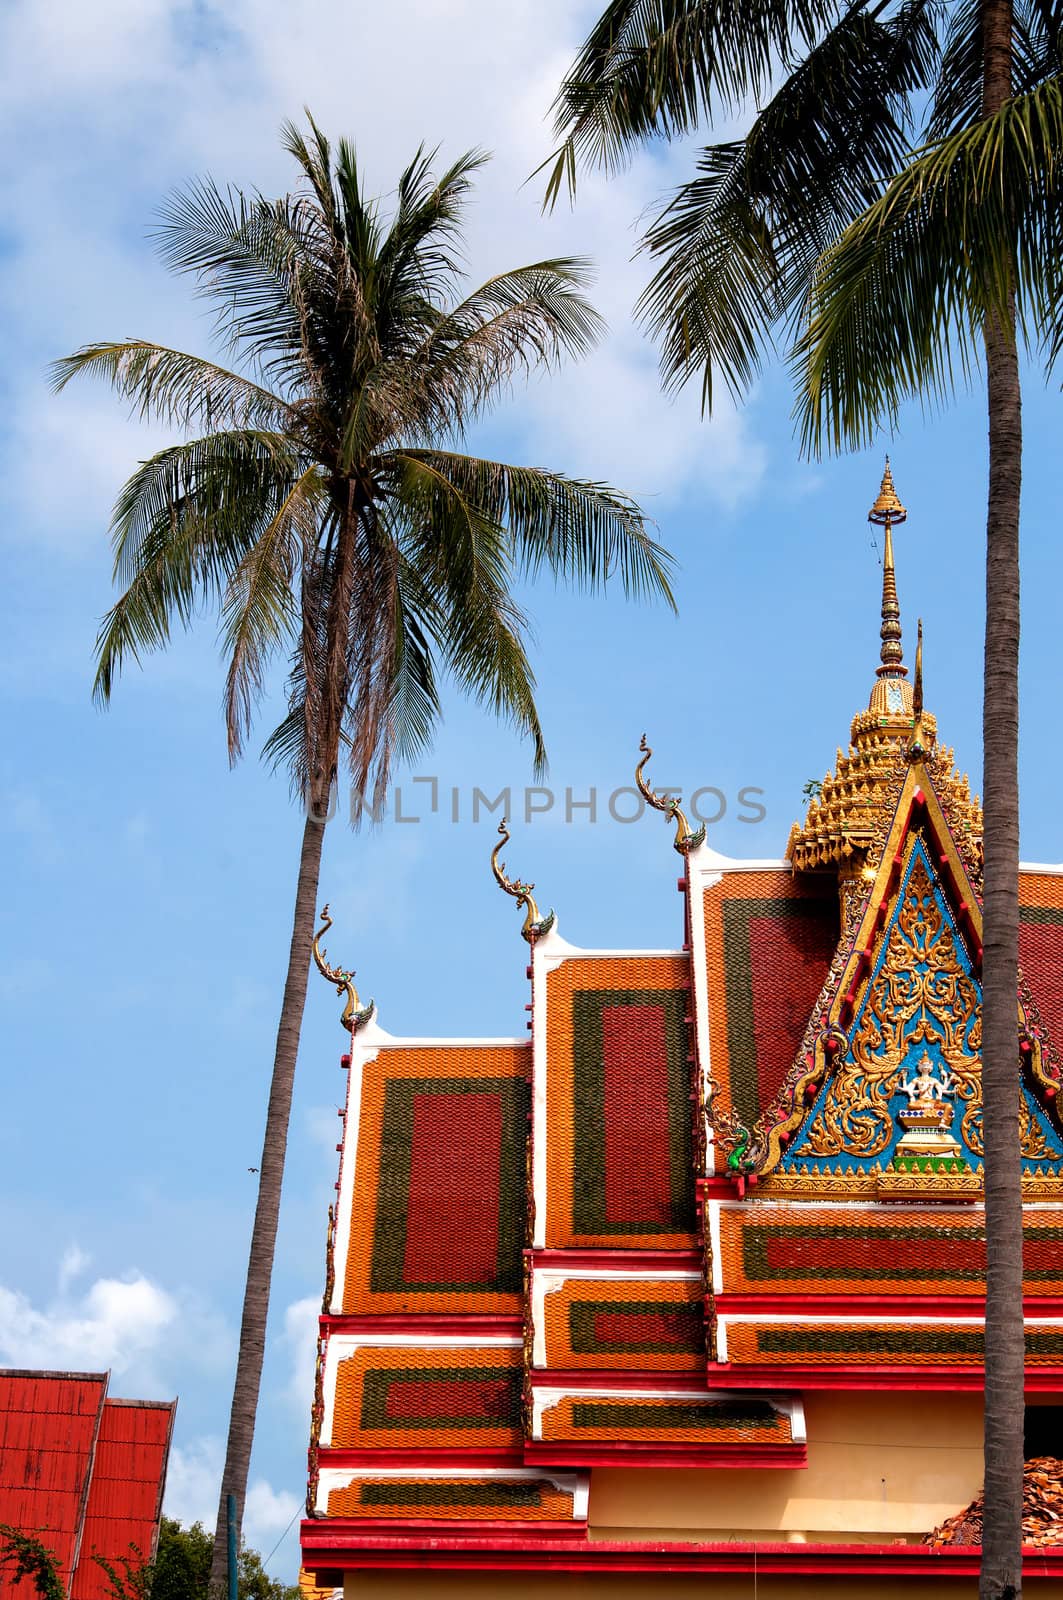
(967, 237)
(320, 501)
(831, 232)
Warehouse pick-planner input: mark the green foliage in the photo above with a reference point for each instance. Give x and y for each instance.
(868, 247)
(128, 1577)
(320, 504)
(901, 298)
(182, 1568)
(22, 1555)
(180, 1571)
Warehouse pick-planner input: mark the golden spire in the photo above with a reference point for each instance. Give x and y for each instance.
(886, 511)
(534, 924)
(848, 810)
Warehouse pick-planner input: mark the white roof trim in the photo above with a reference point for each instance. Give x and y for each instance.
(548, 1280)
(394, 1041)
(575, 1483)
(706, 859)
(341, 1346)
(545, 1397)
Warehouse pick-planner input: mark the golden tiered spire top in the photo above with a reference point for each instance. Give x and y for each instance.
(850, 809)
(886, 511)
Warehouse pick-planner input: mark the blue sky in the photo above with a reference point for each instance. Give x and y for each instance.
(145, 917)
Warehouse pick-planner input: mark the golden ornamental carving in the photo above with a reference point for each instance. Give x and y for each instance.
(921, 995)
(354, 1012)
(533, 924)
(686, 839)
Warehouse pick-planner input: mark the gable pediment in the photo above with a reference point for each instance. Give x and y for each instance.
(885, 1096)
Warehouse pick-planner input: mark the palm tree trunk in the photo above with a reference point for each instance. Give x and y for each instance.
(267, 1211)
(1001, 1576)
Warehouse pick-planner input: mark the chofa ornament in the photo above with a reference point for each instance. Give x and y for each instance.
(685, 839)
(354, 1013)
(533, 924)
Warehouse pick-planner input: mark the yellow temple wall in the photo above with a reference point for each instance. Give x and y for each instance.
(879, 1466)
(650, 1586)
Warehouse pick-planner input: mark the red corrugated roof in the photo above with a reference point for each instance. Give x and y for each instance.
(125, 1495)
(49, 1423)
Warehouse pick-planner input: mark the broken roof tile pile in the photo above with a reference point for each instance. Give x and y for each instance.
(1042, 1510)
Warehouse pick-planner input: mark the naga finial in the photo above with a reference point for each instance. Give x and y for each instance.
(917, 747)
(685, 839)
(534, 924)
(353, 1012)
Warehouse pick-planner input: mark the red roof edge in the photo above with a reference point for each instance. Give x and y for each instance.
(52, 1372)
(334, 1549)
(171, 1407)
(105, 1379)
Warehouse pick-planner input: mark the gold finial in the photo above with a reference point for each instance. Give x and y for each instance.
(887, 508)
(917, 747)
(534, 924)
(886, 511)
(684, 840)
(353, 1012)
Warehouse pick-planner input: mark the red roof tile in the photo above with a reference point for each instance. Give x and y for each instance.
(125, 1495)
(49, 1423)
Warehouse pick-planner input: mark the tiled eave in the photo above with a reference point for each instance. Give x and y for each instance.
(332, 1547)
(961, 1380)
(622, 1453)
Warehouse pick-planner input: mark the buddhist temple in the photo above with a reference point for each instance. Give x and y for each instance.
(681, 1291)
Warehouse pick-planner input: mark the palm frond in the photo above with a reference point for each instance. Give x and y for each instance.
(415, 704)
(462, 557)
(1037, 54)
(214, 483)
(909, 286)
(738, 244)
(421, 257)
(182, 524)
(243, 253)
(174, 387)
(531, 317)
(655, 68)
(583, 533)
(259, 610)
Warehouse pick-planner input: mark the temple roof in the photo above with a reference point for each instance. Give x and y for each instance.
(83, 1472)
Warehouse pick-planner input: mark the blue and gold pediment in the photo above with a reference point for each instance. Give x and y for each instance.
(886, 1095)
(903, 1100)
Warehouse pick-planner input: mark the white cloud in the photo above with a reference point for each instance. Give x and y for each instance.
(193, 1480)
(192, 1486)
(267, 1514)
(133, 1327)
(115, 1324)
(300, 1336)
(75, 1261)
(158, 91)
